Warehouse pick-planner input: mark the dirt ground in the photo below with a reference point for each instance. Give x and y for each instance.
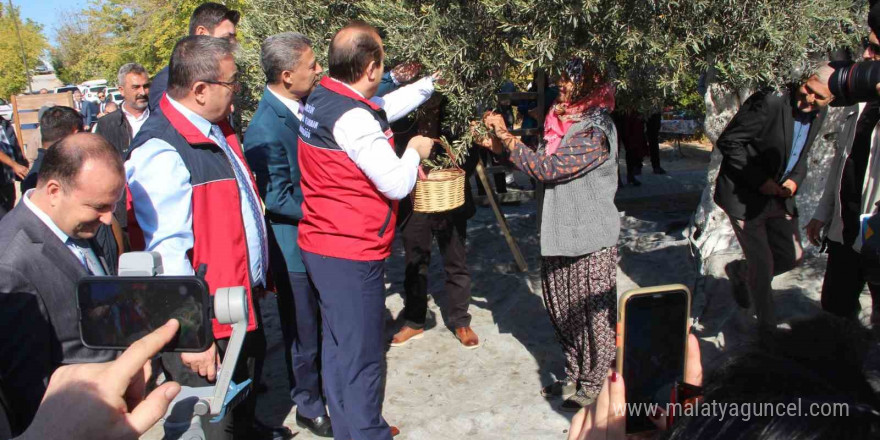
(435, 389)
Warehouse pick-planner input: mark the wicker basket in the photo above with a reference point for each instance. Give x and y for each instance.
(439, 191)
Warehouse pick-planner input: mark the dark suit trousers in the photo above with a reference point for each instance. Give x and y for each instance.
(250, 365)
(301, 325)
(417, 234)
(351, 296)
(844, 283)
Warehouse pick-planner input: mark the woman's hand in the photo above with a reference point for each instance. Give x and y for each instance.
(496, 123)
(605, 419)
(490, 143)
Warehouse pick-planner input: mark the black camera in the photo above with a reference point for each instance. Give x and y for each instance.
(852, 83)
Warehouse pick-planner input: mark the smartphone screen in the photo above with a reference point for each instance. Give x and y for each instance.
(655, 337)
(117, 311)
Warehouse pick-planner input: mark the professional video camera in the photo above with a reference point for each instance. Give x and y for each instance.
(852, 83)
(116, 311)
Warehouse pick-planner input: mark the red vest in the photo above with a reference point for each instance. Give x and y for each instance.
(344, 215)
(218, 228)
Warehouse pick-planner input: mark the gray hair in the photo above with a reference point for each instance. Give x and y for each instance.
(282, 52)
(129, 68)
(195, 58)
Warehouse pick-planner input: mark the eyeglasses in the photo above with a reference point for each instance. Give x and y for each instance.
(234, 85)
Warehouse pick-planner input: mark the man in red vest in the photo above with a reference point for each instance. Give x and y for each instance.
(195, 201)
(351, 182)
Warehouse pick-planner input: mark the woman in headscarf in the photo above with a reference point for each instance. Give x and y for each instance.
(579, 224)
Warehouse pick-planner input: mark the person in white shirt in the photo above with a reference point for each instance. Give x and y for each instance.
(120, 127)
(292, 73)
(196, 203)
(351, 183)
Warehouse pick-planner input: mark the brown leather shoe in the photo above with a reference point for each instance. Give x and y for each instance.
(468, 338)
(405, 335)
(395, 431)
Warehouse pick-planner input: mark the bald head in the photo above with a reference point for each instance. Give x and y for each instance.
(64, 160)
(352, 50)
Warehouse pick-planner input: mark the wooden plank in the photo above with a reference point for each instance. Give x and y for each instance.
(25, 114)
(505, 229)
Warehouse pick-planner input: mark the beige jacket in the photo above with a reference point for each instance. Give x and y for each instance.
(828, 211)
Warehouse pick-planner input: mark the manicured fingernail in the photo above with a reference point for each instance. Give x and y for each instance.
(614, 376)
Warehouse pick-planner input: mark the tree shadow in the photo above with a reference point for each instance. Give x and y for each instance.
(511, 298)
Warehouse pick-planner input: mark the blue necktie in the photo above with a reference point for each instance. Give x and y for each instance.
(244, 182)
(86, 256)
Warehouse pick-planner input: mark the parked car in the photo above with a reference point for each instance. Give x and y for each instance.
(116, 97)
(5, 109)
(67, 88)
(92, 93)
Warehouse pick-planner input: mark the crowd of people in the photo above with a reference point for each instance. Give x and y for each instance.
(307, 205)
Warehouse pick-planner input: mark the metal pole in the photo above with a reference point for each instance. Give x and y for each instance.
(27, 72)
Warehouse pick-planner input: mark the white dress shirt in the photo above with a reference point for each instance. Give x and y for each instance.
(295, 106)
(359, 134)
(162, 199)
(135, 122)
(82, 252)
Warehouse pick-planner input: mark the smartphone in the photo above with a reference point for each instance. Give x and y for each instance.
(652, 330)
(114, 312)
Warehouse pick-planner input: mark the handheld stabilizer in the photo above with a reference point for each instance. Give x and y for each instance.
(183, 419)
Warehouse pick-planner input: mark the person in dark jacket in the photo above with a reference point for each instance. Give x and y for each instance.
(47, 243)
(765, 149)
(271, 151)
(836, 221)
(122, 125)
(211, 19)
(418, 230)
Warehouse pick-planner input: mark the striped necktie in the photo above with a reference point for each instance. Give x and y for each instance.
(244, 182)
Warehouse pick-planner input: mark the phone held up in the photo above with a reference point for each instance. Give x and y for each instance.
(652, 332)
(114, 312)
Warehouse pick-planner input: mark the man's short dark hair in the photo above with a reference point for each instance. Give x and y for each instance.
(348, 59)
(65, 158)
(210, 15)
(58, 122)
(195, 58)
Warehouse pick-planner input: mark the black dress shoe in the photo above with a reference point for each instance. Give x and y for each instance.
(319, 426)
(262, 432)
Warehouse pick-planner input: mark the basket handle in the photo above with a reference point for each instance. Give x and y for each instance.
(449, 152)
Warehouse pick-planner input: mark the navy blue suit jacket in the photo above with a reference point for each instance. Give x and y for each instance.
(158, 85)
(89, 113)
(270, 146)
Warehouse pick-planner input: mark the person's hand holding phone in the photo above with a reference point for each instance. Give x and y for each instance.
(108, 399)
(604, 419)
(204, 364)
